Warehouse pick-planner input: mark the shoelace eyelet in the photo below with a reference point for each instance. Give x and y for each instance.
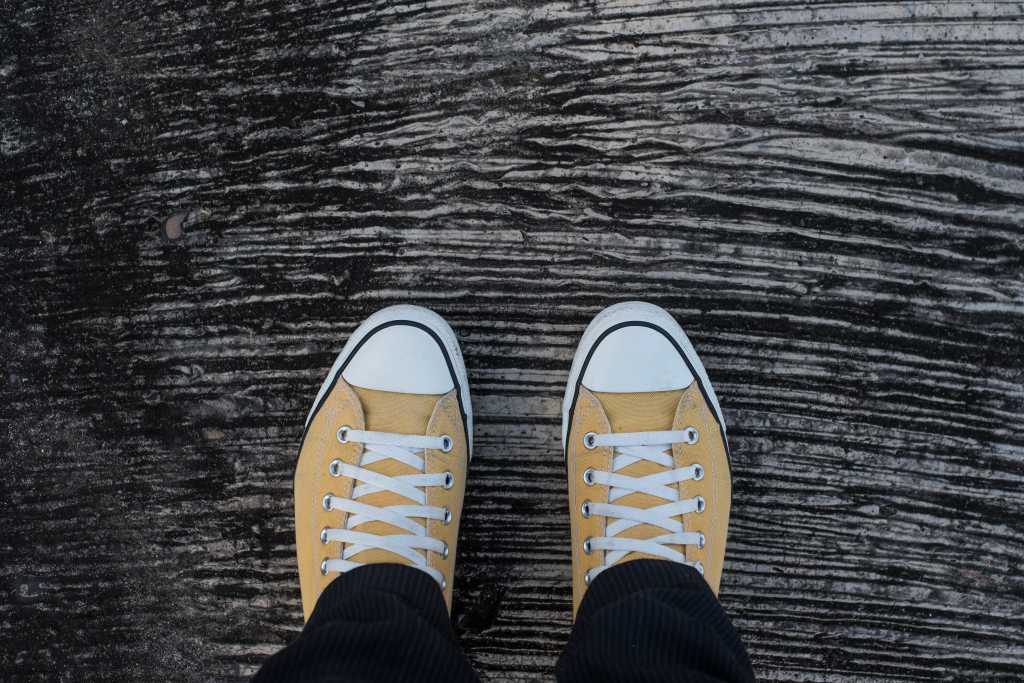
(323, 567)
(701, 504)
(698, 472)
(699, 567)
(444, 553)
(585, 509)
(701, 541)
(449, 480)
(447, 517)
(447, 444)
(444, 583)
(327, 501)
(586, 547)
(586, 578)
(343, 434)
(588, 477)
(590, 441)
(335, 468)
(323, 535)
(692, 436)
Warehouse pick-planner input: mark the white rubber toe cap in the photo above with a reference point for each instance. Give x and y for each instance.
(634, 359)
(407, 349)
(635, 347)
(401, 358)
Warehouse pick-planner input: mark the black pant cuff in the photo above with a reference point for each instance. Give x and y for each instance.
(634, 576)
(412, 586)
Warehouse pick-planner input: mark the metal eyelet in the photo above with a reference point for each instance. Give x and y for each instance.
(692, 436)
(323, 567)
(588, 477)
(343, 434)
(327, 501)
(702, 541)
(444, 553)
(323, 535)
(444, 584)
(590, 441)
(447, 517)
(449, 480)
(447, 444)
(698, 472)
(586, 578)
(699, 567)
(586, 547)
(700, 504)
(335, 468)
(585, 509)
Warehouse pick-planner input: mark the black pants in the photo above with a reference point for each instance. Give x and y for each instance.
(645, 620)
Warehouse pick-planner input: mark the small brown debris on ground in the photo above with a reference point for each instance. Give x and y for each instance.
(174, 226)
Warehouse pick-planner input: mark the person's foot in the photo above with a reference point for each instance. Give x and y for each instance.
(645, 448)
(383, 460)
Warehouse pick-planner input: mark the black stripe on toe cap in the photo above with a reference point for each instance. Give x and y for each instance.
(679, 350)
(382, 326)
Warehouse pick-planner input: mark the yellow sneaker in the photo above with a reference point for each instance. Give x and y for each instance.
(645, 448)
(383, 460)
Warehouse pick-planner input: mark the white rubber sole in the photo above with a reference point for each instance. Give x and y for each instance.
(416, 314)
(633, 311)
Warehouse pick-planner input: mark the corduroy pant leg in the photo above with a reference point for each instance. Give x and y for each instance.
(380, 622)
(652, 620)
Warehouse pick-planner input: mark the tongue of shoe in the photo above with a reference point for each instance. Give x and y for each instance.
(641, 412)
(398, 413)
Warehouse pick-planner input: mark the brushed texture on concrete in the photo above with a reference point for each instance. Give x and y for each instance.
(200, 201)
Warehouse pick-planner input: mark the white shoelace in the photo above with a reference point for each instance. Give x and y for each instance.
(404, 448)
(631, 447)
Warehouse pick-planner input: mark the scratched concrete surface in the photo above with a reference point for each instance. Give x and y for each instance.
(200, 201)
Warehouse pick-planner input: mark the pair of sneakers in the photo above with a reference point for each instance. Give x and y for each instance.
(386, 449)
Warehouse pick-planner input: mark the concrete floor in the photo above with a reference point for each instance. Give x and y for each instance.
(200, 201)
